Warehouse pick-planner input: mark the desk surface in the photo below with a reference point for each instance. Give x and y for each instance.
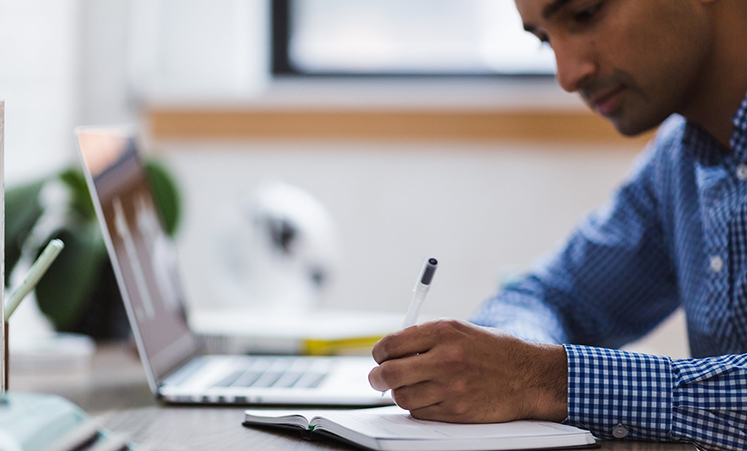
(115, 390)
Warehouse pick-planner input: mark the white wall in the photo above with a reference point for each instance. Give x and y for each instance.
(476, 207)
(105, 91)
(140, 51)
(207, 50)
(38, 73)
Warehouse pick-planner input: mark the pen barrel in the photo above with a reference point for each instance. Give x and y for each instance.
(411, 317)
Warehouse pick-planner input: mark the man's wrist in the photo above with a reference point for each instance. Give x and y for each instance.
(547, 379)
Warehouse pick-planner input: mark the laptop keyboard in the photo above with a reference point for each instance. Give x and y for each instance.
(264, 372)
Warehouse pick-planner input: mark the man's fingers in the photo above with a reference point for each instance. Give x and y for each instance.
(400, 344)
(433, 412)
(374, 378)
(418, 396)
(397, 373)
(416, 339)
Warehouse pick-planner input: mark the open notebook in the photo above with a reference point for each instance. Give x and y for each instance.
(392, 428)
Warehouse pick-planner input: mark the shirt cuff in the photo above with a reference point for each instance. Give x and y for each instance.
(618, 394)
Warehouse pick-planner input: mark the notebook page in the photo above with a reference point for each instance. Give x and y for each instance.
(396, 423)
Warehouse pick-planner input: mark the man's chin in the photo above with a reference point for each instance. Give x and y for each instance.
(631, 128)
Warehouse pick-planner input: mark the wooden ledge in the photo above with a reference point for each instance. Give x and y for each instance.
(421, 125)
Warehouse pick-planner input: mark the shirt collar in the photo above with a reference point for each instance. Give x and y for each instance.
(707, 151)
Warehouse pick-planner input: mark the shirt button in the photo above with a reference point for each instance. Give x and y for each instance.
(619, 431)
(717, 264)
(742, 172)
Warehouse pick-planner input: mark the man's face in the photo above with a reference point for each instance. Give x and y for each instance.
(633, 61)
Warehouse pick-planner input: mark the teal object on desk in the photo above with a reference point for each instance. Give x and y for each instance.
(30, 422)
(39, 422)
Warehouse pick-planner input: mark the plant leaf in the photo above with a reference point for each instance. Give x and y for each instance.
(63, 294)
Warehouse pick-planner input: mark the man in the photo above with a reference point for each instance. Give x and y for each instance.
(674, 235)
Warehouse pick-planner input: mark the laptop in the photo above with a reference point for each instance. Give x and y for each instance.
(144, 263)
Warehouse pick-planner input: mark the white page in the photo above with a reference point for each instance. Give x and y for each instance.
(397, 424)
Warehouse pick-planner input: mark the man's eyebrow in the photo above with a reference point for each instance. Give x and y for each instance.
(547, 12)
(550, 10)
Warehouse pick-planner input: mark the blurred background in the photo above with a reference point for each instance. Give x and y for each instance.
(423, 128)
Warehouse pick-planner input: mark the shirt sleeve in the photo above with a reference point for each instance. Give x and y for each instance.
(613, 281)
(618, 394)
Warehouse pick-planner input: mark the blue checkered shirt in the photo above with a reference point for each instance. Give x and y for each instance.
(674, 235)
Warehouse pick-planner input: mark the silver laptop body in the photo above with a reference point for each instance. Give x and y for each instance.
(144, 263)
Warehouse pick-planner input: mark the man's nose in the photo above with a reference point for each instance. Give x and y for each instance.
(575, 66)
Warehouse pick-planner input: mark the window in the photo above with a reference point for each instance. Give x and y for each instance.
(401, 37)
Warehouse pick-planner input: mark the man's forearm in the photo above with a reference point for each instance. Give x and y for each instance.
(522, 316)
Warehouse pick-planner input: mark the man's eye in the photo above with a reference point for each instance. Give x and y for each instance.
(586, 15)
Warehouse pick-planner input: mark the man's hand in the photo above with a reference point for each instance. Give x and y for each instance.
(453, 371)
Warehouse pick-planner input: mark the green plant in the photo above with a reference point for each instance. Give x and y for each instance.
(79, 292)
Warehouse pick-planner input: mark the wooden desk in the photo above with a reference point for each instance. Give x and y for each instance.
(116, 391)
(182, 428)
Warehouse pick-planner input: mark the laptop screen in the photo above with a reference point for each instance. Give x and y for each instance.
(142, 255)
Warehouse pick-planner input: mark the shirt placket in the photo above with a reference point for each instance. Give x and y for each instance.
(719, 199)
(738, 310)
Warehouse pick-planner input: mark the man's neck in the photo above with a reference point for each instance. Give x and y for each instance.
(723, 84)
